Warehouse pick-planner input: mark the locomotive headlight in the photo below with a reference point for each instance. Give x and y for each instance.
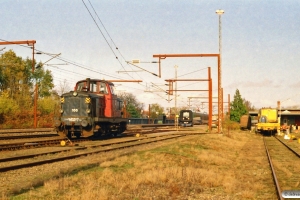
(75, 93)
(88, 110)
(61, 110)
(62, 100)
(57, 123)
(84, 123)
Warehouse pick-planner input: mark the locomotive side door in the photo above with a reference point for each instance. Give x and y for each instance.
(114, 102)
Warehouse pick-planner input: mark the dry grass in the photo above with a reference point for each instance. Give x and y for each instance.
(205, 167)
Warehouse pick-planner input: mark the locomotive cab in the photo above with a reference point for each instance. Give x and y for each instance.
(92, 109)
(186, 118)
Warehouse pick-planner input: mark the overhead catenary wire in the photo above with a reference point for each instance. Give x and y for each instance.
(104, 37)
(75, 64)
(68, 61)
(89, 69)
(105, 29)
(108, 36)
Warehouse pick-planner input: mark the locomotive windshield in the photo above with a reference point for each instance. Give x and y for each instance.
(95, 86)
(186, 115)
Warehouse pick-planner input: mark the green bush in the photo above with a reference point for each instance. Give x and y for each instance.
(7, 105)
(47, 105)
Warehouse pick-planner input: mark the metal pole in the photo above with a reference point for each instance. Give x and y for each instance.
(229, 106)
(149, 115)
(175, 89)
(220, 96)
(35, 91)
(209, 99)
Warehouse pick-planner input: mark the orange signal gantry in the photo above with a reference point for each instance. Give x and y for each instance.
(170, 92)
(220, 90)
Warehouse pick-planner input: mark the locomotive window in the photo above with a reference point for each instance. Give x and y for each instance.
(112, 89)
(80, 86)
(93, 87)
(186, 114)
(103, 88)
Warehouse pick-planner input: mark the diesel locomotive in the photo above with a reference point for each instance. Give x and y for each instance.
(190, 118)
(92, 109)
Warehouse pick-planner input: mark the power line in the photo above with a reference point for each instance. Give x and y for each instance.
(69, 62)
(111, 39)
(104, 35)
(75, 64)
(106, 30)
(193, 72)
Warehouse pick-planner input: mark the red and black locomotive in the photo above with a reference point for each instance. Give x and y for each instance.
(92, 109)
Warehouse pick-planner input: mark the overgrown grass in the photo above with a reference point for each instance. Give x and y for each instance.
(206, 167)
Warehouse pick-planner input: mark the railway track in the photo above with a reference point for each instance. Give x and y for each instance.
(53, 139)
(30, 160)
(15, 137)
(284, 162)
(12, 134)
(27, 130)
(30, 144)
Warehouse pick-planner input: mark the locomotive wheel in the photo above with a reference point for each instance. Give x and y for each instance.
(115, 133)
(104, 130)
(98, 133)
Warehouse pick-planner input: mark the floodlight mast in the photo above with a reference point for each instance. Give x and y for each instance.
(220, 12)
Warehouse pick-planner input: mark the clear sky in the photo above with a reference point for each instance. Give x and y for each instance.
(260, 44)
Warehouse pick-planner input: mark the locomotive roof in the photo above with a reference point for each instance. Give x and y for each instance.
(96, 80)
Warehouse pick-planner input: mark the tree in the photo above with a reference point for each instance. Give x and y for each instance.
(248, 105)
(17, 79)
(13, 76)
(132, 111)
(7, 105)
(155, 110)
(64, 87)
(44, 80)
(237, 107)
(133, 106)
(17, 87)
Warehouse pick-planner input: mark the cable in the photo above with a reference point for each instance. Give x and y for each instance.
(67, 61)
(104, 37)
(110, 37)
(75, 64)
(193, 72)
(106, 30)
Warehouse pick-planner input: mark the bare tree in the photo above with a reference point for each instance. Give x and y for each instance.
(64, 87)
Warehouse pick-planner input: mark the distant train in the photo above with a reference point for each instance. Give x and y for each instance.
(190, 118)
(200, 118)
(268, 121)
(185, 118)
(92, 109)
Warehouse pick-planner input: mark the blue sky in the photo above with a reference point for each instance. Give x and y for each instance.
(260, 44)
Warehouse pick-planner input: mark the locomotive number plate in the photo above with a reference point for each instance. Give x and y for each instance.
(73, 119)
